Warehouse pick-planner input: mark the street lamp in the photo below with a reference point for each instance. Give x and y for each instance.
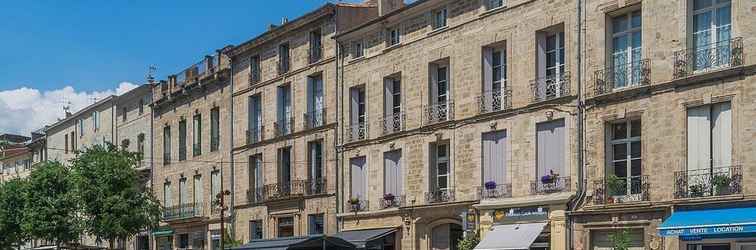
(220, 201)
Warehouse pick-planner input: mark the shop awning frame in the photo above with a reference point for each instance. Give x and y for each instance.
(710, 223)
(511, 236)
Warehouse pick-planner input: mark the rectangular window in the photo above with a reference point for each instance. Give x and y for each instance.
(140, 146)
(197, 135)
(254, 120)
(215, 184)
(256, 181)
(183, 192)
(167, 195)
(254, 69)
(316, 46)
(315, 160)
(66, 150)
(440, 84)
(358, 116)
(709, 137)
(255, 230)
(284, 167)
(73, 141)
(214, 129)
(394, 37)
(124, 113)
(494, 4)
(284, 124)
(197, 191)
(495, 157)
(439, 18)
(141, 106)
(315, 102)
(440, 168)
(625, 153)
(81, 127)
(95, 120)
(494, 78)
(283, 58)
(626, 49)
(392, 95)
(183, 241)
(167, 145)
(554, 55)
(358, 180)
(285, 227)
(711, 33)
(550, 153)
(393, 173)
(315, 224)
(550, 64)
(358, 49)
(182, 140)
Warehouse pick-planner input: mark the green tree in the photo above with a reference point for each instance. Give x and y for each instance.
(469, 242)
(113, 199)
(11, 208)
(50, 210)
(620, 240)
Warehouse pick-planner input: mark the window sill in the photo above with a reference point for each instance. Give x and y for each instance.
(392, 47)
(354, 60)
(438, 30)
(493, 11)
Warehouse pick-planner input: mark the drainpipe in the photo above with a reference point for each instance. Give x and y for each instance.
(336, 133)
(231, 214)
(581, 192)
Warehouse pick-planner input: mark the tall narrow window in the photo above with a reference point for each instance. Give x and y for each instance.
(284, 124)
(124, 114)
(550, 82)
(283, 58)
(440, 169)
(495, 165)
(550, 153)
(167, 195)
(81, 127)
(197, 135)
(183, 192)
(256, 181)
(315, 103)
(198, 190)
(66, 149)
(140, 146)
(358, 49)
(316, 46)
(394, 37)
(95, 120)
(254, 120)
(494, 4)
(358, 180)
(439, 18)
(358, 117)
(315, 224)
(284, 169)
(393, 178)
(495, 79)
(440, 103)
(315, 171)
(215, 184)
(625, 146)
(167, 145)
(709, 138)
(182, 140)
(626, 49)
(285, 226)
(255, 230)
(73, 141)
(712, 31)
(141, 106)
(555, 55)
(392, 106)
(254, 69)
(214, 129)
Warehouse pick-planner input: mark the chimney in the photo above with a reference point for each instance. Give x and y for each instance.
(284, 20)
(386, 6)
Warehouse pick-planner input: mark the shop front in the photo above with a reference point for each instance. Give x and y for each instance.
(537, 227)
(715, 228)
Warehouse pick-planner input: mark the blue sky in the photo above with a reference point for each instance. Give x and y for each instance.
(93, 44)
(72, 52)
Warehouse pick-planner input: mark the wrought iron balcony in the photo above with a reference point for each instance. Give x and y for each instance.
(183, 211)
(393, 123)
(555, 185)
(492, 191)
(621, 190)
(440, 196)
(497, 100)
(255, 135)
(284, 190)
(709, 57)
(438, 113)
(708, 182)
(617, 77)
(315, 118)
(197, 71)
(550, 87)
(315, 187)
(357, 132)
(391, 200)
(284, 127)
(255, 195)
(357, 205)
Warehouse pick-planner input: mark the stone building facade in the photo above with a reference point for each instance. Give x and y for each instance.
(669, 119)
(94, 124)
(191, 161)
(459, 113)
(284, 125)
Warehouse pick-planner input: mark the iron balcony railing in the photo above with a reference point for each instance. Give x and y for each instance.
(357, 132)
(284, 190)
(550, 87)
(555, 185)
(440, 196)
(357, 205)
(617, 77)
(391, 201)
(708, 182)
(439, 112)
(255, 135)
(255, 195)
(284, 126)
(183, 211)
(196, 71)
(315, 118)
(496, 100)
(704, 58)
(393, 123)
(495, 191)
(315, 187)
(621, 190)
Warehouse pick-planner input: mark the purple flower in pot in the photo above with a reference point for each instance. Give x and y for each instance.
(490, 185)
(389, 197)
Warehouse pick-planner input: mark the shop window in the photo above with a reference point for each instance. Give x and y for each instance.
(285, 227)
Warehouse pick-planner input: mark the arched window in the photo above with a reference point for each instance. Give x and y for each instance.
(446, 236)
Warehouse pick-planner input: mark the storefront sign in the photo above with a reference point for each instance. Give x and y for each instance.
(713, 230)
(521, 214)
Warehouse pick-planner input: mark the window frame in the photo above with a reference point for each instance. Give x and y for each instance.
(440, 18)
(628, 140)
(394, 37)
(280, 224)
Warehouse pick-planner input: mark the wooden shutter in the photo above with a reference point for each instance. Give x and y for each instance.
(721, 135)
(393, 173)
(551, 148)
(358, 178)
(699, 138)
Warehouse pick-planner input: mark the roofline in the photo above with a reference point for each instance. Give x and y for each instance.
(85, 109)
(380, 18)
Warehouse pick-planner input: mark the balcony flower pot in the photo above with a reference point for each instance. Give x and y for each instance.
(721, 184)
(490, 185)
(354, 203)
(549, 178)
(615, 185)
(389, 197)
(696, 190)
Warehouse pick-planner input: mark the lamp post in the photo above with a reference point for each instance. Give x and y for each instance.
(221, 203)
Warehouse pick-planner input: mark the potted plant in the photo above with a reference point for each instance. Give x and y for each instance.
(549, 178)
(389, 197)
(696, 190)
(490, 185)
(355, 203)
(615, 185)
(721, 184)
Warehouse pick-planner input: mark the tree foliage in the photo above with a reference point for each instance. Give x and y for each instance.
(112, 197)
(469, 242)
(620, 240)
(50, 208)
(11, 208)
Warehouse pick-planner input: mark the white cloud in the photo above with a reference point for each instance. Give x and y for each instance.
(25, 109)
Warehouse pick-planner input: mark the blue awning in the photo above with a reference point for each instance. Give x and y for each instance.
(710, 223)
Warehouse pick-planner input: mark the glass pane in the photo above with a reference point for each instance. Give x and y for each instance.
(635, 149)
(550, 59)
(442, 182)
(619, 131)
(620, 168)
(635, 168)
(635, 21)
(619, 151)
(636, 42)
(443, 168)
(619, 24)
(702, 22)
(723, 23)
(551, 42)
(635, 128)
(700, 4)
(441, 151)
(619, 45)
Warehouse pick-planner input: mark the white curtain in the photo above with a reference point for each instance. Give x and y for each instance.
(183, 192)
(494, 157)
(393, 173)
(358, 178)
(721, 135)
(197, 189)
(699, 138)
(167, 195)
(551, 148)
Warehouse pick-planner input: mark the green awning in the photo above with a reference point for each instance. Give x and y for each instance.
(162, 231)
